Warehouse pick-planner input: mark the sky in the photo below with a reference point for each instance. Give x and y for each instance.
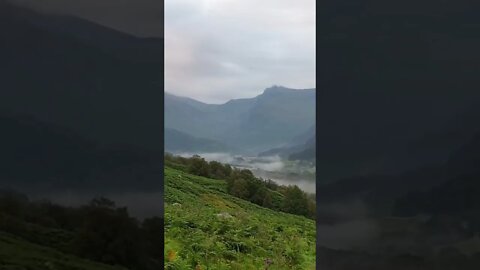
(143, 18)
(217, 50)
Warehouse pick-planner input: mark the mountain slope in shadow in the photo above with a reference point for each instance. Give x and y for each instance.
(78, 80)
(39, 156)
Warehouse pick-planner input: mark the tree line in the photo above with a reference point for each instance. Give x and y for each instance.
(98, 231)
(243, 184)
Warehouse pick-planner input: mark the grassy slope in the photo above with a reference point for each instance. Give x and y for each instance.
(194, 232)
(19, 254)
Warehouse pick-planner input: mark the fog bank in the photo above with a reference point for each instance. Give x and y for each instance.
(260, 166)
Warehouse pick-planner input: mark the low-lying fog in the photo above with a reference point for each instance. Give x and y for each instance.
(350, 227)
(141, 205)
(268, 167)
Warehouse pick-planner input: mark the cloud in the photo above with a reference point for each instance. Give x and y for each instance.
(216, 50)
(137, 17)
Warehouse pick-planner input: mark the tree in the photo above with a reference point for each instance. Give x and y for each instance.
(228, 170)
(267, 200)
(259, 196)
(153, 234)
(216, 170)
(240, 188)
(295, 202)
(199, 166)
(108, 235)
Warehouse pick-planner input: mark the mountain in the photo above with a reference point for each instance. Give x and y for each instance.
(308, 152)
(254, 124)
(394, 110)
(177, 142)
(81, 78)
(296, 144)
(36, 256)
(457, 197)
(410, 71)
(304, 136)
(60, 158)
(111, 41)
(411, 192)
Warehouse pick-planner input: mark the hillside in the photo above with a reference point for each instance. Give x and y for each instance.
(59, 158)
(307, 152)
(103, 88)
(206, 226)
(16, 253)
(177, 141)
(301, 147)
(409, 73)
(39, 234)
(270, 120)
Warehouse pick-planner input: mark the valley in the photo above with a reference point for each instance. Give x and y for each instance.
(240, 182)
(276, 168)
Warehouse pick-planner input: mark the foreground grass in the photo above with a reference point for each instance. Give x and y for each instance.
(206, 228)
(18, 254)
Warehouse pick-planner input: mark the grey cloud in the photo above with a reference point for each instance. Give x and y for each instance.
(218, 50)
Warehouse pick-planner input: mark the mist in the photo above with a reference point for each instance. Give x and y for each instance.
(352, 234)
(260, 167)
(305, 185)
(139, 204)
(345, 225)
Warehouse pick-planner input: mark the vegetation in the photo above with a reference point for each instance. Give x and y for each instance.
(243, 184)
(95, 236)
(208, 228)
(18, 254)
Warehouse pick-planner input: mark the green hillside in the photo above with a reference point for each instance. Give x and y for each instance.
(19, 254)
(38, 235)
(206, 228)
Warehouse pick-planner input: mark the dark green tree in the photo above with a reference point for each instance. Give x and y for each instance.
(296, 201)
(240, 188)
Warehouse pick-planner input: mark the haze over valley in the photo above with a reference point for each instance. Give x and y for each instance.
(273, 134)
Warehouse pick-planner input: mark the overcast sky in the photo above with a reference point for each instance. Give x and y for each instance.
(142, 18)
(216, 50)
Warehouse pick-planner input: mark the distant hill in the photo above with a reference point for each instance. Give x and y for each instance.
(295, 145)
(71, 72)
(410, 71)
(421, 190)
(308, 151)
(59, 158)
(394, 111)
(256, 124)
(458, 195)
(112, 41)
(177, 141)
(17, 253)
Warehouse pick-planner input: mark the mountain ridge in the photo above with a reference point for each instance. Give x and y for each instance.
(269, 90)
(77, 84)
(267, 120)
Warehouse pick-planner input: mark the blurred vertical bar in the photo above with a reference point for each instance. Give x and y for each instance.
(81, 134)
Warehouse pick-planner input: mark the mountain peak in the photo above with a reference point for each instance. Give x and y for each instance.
(276, 89)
